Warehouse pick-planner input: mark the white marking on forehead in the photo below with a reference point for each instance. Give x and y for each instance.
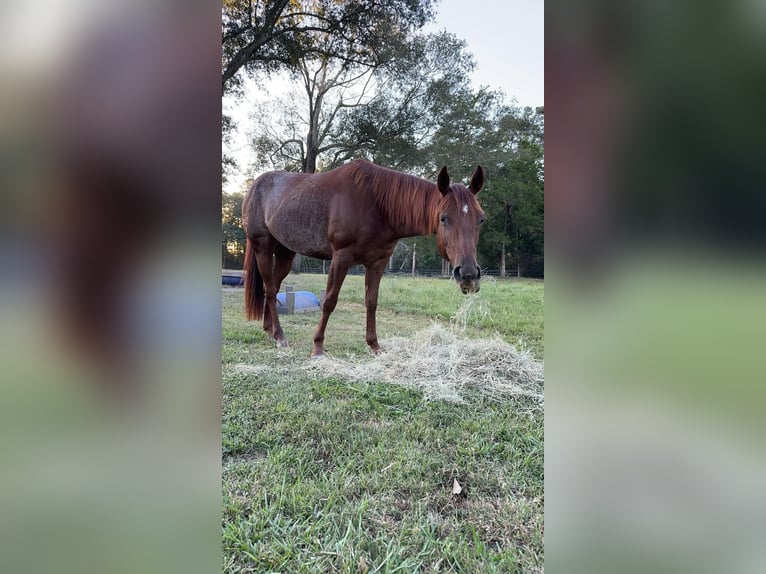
(465, 208)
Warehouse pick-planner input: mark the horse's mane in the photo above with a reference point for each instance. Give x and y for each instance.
(405, 200)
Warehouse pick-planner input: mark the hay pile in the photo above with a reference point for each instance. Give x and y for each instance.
(443, 363)
(247, 369)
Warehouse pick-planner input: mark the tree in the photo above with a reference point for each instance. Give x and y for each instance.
(271, 34)
(295, 135)
(228, 163)
(514, 195)
(388, 113)
(233, 234)
(413, 96)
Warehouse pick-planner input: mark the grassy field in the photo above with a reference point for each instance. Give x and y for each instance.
(321, 474)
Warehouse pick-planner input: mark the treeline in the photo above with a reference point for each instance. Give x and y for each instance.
(367, 84)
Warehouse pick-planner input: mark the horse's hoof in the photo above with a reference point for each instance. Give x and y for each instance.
(317, 352)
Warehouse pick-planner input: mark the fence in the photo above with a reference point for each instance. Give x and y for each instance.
(359, 270)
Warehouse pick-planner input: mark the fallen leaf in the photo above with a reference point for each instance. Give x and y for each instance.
(363, 568)
(456, 488)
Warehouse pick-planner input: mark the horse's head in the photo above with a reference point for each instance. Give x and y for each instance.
(457, 232)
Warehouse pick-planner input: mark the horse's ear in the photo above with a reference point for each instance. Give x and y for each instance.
(443, 180)
(477, 181)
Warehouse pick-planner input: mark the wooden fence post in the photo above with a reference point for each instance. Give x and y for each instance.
(290, 299)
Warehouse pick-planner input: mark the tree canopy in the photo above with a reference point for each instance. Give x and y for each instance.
(262, 35)
(388, 113)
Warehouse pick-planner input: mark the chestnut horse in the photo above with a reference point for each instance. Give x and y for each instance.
(354, 214)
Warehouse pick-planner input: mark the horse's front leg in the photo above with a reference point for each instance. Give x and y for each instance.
(341, 261)
(372, 275)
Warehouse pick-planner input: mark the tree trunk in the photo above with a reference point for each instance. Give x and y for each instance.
(502, 260)
(310, 162)
(312, 137)
(507, 223)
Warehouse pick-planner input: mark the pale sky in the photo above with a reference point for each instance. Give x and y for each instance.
(506, 40)
(504, 36)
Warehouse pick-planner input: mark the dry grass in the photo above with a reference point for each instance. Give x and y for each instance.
(245, 369)
(443, 363)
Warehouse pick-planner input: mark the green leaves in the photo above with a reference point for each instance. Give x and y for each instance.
(233, 240)
(264, 35)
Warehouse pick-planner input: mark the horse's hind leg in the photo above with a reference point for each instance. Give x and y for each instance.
(283, 260)
(265, 260)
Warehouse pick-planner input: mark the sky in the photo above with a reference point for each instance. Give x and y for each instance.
(506, 40)
(504, 36)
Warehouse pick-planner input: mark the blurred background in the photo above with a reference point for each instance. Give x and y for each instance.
(109, 287)
(655, 308)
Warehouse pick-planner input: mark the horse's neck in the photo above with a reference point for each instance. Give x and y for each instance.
(421, 215)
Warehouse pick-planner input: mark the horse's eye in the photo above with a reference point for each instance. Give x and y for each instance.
(443, 218)
(481, 221)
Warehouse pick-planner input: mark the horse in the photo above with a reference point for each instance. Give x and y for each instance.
(354, 214)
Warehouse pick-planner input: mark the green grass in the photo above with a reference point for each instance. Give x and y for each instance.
(325, 475)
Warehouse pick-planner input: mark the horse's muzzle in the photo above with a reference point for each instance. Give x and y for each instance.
(468, 281)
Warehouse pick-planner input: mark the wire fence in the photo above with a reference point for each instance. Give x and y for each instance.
(233, 261)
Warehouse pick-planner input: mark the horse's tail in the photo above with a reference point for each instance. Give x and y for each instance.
(254, 298)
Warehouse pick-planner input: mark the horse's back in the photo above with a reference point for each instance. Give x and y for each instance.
(291, 207)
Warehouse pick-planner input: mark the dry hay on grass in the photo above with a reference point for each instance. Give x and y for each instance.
(443, 363)
(246, 369)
